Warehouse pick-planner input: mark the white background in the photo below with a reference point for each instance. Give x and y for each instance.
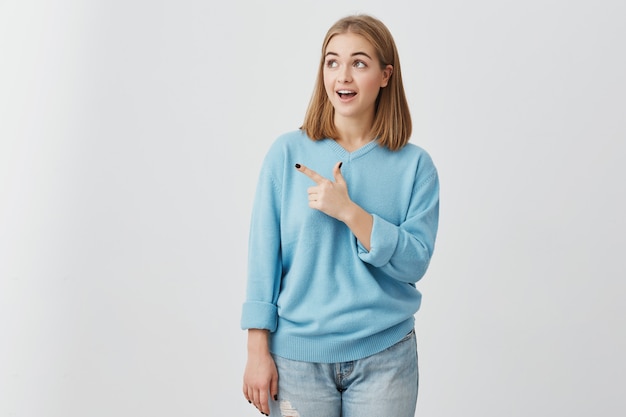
(131, 133)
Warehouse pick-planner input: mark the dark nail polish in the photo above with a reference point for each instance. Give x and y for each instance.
(298, 166)
(275, 397)
(249, 402)
(340, 164)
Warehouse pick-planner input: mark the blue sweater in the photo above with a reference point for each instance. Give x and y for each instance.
(320, 293)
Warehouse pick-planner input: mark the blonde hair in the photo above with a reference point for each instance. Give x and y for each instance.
(392, 119)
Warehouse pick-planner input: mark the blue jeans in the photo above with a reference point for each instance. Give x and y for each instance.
(381, 385)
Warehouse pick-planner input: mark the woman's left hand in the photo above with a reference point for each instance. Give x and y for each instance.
(329, 197)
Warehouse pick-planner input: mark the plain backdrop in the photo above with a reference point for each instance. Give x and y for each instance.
(131, 134)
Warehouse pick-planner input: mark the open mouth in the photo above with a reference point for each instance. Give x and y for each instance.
(346, 94)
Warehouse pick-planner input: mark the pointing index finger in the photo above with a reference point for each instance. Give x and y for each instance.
(310, 173)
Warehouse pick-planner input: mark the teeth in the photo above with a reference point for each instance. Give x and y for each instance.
(345, 92)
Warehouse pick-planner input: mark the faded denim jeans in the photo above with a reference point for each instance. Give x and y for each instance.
(381, 385)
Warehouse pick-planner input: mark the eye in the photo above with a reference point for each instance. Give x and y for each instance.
(359, 64)
(331, 63)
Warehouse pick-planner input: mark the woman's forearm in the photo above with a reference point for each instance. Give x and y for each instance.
(258, 341)
(360, 223)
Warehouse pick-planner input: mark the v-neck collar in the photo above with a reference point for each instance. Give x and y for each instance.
(357, 153)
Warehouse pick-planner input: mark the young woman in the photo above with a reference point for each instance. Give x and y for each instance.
(343, 225)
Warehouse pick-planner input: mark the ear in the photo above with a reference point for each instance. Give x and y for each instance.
(387, 71)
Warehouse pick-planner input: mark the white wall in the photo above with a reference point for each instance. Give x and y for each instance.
(131, 133)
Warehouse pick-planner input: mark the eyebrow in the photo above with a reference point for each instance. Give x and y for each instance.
(353, 54)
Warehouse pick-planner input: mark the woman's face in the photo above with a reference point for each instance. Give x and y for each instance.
(353, 77)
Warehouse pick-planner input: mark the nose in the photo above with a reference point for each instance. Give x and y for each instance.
(344, 75)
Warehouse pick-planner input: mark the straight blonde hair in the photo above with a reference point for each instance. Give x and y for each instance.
(392, 118)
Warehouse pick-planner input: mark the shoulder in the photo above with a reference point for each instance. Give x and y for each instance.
(416, 151)
(291, 139)
(288, 143)
(424, 168)
(413, 154)
(284, 147)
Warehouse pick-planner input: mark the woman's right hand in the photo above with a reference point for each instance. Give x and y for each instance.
(260, 380)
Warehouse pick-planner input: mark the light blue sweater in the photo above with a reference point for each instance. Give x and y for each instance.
(321, 294)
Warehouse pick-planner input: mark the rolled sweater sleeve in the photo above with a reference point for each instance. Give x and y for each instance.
(259, 310)
(403, 251)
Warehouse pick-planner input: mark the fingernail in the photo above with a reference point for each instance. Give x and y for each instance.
(249, 402)
(275, 397)
(340, 164)
(298, 166)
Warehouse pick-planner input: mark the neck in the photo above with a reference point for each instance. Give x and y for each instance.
(353, 134)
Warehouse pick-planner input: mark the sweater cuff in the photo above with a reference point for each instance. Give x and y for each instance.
(383, 242)
(259, 315)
